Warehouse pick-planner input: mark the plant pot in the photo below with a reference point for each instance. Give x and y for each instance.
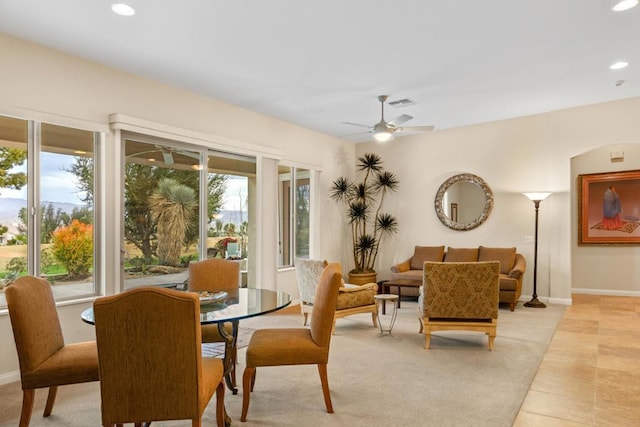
(362, 278)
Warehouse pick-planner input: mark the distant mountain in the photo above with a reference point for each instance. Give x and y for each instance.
(9, 208)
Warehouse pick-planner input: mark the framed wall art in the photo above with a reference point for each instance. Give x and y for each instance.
(609, 208)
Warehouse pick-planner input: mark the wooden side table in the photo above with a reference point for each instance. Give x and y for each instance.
(381, 299)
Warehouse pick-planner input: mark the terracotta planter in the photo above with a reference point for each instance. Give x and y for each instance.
(361, 278)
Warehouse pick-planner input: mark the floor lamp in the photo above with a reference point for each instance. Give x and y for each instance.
(536, 198)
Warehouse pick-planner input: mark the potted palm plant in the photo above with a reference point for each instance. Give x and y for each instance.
(363, 201)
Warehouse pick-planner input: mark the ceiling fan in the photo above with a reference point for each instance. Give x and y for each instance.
(166, 152)
(383, 131)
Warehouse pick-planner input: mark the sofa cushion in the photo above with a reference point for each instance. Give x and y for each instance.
(426, 253)
(461, 255)
(506, 256)
(408, 275)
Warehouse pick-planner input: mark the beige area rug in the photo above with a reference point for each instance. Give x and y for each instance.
(216, 349)
(374, 380)
(627, 227)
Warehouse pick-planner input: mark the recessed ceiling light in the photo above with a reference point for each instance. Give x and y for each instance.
(623, 5)
(618, 65)
(123, 9)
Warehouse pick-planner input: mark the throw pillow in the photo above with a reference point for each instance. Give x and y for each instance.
(506, 256)
(426, 253)
(461, 255)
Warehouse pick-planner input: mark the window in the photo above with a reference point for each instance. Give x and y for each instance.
(47, 216)
(294, 214)
(176, 210)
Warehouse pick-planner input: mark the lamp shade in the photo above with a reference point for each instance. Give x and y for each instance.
(537, 196)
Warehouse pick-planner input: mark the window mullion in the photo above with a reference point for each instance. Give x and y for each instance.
(33, 196)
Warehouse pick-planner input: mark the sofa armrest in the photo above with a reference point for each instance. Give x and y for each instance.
(403, 266)
(358, 288)
(518, 267)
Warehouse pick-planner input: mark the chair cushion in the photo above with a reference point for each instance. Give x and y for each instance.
(426, 253)
(72, 364)
(506, 256)
(356, 296)
(461, 255)
(284, 346)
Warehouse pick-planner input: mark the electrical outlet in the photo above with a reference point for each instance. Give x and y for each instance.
(528, 239)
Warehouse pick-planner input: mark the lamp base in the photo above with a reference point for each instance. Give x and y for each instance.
(535, 303)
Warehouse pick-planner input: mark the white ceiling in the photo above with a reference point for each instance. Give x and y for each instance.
(320, 63)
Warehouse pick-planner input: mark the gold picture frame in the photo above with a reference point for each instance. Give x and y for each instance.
(609, 208)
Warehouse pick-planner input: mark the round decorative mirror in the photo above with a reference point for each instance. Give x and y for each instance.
(463, 202)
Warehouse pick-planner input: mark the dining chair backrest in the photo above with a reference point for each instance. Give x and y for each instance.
(324, 307)
(214, 274)
(149, 354)
(35, 321)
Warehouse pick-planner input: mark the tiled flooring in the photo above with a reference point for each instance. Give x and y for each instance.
(590, 375)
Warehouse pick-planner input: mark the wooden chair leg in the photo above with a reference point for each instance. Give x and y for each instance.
(221, 413)
(248, 377)
(305, 317)
(374, 317)
(322, 369)
(512, 306)
(196, 422)
(427, 338)
(51, 399)
(421, 325)
(27, 406)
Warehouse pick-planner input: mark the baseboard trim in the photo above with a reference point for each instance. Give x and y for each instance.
(605, 292)
(9, 377)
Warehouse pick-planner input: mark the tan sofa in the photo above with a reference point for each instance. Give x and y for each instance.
(512, 266)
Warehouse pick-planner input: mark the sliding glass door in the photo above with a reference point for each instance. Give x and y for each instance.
(182, 203)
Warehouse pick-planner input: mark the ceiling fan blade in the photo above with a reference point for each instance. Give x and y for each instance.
(355, 134)
(400, 119)
(415, 129)
(356, 124)
(168, 157)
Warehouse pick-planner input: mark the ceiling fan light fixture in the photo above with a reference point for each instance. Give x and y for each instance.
(382, 135)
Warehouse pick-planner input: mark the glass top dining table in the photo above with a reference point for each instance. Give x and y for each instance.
(246, 303)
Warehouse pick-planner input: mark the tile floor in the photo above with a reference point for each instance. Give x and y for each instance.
(590, 375)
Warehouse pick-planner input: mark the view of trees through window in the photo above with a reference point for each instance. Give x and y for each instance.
(162, 215)
(48, 205)
(42, 205)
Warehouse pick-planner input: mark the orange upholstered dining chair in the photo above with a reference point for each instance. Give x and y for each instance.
(216, 274)
(151, 364)
(45, 360)
(297, 346)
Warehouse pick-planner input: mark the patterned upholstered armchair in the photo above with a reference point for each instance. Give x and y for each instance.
(459, 295)
(352, 299)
